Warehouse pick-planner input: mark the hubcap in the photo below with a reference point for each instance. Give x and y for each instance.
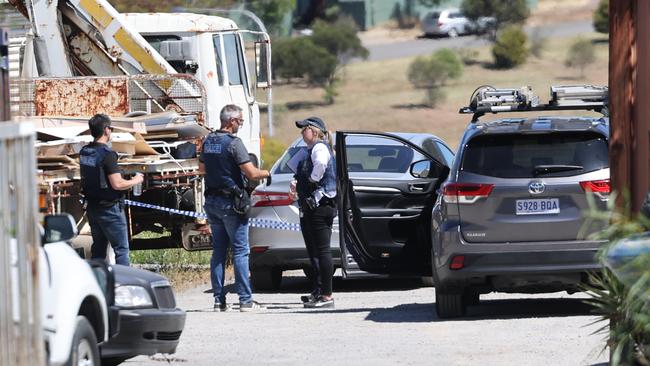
(85, 354)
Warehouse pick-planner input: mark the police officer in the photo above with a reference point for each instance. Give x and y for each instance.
(102, 185)
(316, 189)
(225, 161)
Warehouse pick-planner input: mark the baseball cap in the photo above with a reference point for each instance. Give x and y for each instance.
(312, 121)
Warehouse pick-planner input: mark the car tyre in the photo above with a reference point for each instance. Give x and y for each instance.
(266, 279)
(84, 349)
(453, 33)
(450, 303)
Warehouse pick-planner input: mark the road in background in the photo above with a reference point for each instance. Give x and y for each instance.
(385, 322)
(425, 46)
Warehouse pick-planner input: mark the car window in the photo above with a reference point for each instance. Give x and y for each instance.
(535, 155)
(434, 15)
(430, 146)
(377, 158)
(282, 167)
(446, 152)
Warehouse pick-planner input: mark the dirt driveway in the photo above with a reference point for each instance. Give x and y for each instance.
(385, 322)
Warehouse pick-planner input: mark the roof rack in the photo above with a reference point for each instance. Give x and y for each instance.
(488, 99)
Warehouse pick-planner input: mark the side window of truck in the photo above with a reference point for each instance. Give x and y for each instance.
(234, 60)
(216, 41)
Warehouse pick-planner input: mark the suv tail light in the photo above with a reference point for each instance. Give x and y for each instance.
(265, 199)
(465, 193)
(600, 187)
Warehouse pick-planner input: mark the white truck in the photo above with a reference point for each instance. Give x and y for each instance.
(164, 76)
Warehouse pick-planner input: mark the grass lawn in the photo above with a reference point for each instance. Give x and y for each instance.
(377, 95)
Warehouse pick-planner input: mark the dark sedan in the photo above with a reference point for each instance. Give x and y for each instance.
(149, 320)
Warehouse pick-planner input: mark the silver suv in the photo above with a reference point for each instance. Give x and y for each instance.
(510, 217)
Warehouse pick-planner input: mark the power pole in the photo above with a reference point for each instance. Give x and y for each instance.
(629, 101)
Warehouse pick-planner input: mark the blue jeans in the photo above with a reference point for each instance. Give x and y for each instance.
(228, 228)
(108, 224)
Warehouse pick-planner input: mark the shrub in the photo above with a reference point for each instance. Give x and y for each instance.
(272, 150)
(581, 54)
(601, 17)
(339, 39)
(451, 61)
(431, 73)
(624, 306)
(510, 48)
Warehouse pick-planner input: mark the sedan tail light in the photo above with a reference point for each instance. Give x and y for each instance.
(265, 199)
(465, 193)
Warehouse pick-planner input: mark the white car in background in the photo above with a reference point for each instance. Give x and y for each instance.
(452, 23)
(275, 239)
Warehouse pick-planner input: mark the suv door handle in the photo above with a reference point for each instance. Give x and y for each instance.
(417, 187)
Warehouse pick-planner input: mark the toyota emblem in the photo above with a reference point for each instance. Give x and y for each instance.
(536, 187)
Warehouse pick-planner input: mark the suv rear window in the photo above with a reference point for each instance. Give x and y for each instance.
(535, 155)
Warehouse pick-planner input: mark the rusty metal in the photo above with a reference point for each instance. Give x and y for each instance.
(80, 97)
(629, 85)
(115, 96)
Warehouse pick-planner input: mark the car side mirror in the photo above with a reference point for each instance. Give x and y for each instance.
(429, 169)
(60, 227)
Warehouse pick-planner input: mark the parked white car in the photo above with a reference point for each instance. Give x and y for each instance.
(452, 23)
(74, 317)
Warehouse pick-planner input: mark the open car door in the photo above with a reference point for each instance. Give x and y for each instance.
(386, 189)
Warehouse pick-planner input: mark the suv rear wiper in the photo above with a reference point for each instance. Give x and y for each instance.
(545, 169)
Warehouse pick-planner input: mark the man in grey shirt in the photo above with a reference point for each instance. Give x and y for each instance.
(225, 161)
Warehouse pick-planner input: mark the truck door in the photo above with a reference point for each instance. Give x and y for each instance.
(386, 189)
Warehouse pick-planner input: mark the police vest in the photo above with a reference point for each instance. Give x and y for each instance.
(304, 187)
(94, 181)
(221, 170)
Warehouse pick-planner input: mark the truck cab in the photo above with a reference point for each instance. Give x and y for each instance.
(212, 49)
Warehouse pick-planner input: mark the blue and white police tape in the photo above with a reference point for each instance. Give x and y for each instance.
(253, 222)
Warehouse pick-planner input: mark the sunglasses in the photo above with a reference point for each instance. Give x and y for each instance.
(110, 128)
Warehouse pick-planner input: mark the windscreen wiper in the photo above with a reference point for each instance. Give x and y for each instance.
(546, 169)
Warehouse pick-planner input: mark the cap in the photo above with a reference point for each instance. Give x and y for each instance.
(312, 121)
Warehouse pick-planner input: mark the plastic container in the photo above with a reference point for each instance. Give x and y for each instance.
(137, 189)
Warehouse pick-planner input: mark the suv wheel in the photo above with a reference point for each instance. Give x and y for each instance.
(450, 303)
(453, 33)
(266, 279)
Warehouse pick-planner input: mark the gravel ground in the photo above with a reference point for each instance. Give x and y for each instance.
(382, 322)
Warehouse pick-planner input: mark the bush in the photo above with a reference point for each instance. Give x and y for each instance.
(510, 48)
(625, 307)
(339, 39)
(452, 64)
(601, 17)
(431, 73)
(503, 12)
(581, 54)
(272, 150)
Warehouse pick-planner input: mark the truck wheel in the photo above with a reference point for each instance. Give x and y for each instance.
(84, 351)
(450, 303)
(266, 279)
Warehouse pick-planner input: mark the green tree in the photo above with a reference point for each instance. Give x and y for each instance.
(581, 54)
(431, 73)
(272, 12)
(453, 63)
(503, 12)
(339, 39)
(601, 17)
(510, 50)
